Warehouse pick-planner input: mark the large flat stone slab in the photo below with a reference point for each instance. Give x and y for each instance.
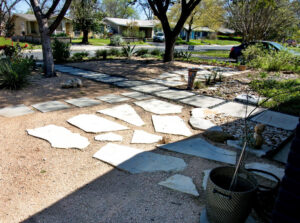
(112, 98)
(279, 172)
(201, 148)
(95, 124)
(170, 125)
(130, 83)
(124, 112)
(60, 137)
(95, 76)
(202, 101)
(138, 161)
(173, 94)
(159, 107)
(136, 95)
(236, 109)
(83, 102)
(16, 110)
(149, 88)
(110, 137)
(180, 183)
(168, 75)
(170, 83)
(277, 119)
(110, 79)
(50, 106)
(140, 136)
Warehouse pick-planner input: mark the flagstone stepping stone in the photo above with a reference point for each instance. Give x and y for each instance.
(136, 95)
(96, 76)
(236, 109)
(138, 161)
(201, 148)
(258, 152)
(110, 79)
(168, 75)
(95, 124)
(50, 106)
(170, 125)
(180, 183)
(60, 137)
(140, 136)
(205, 178)
(130, 83)
(202, 112)
(277, 119)
(173, 94)
(83, 102)
(167, 82)
(111, 137)
(250, 99)
(201, 123)
(149, 88)
(159, 107)
(112, 98)
(124, 112)
(15, 110)
(279, 172)
(202, 101)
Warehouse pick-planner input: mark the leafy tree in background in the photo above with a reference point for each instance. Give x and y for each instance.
(119, 8)
(144, 5)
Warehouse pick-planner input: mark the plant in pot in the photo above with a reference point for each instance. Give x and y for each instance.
(241, 63)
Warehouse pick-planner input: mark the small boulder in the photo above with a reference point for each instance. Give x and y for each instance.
(218, 136)
(72, 83)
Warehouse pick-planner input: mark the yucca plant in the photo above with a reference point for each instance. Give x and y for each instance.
(128, 50)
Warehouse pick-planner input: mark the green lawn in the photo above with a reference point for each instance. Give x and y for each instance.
(7, 41)
(215, 42)
(104, 42)
(214, 53)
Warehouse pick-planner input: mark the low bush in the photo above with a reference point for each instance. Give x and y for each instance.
(101, 53)
(114, 52)
(61, 51)
(147, 56)
(80, 55)
(141, 52)
(156, 52)
(116, 40)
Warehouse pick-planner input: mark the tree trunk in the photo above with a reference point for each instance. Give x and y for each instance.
(169, 45)
(85, 38)
(47, 53)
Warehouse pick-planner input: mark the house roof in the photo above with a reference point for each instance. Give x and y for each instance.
(31, 17)
(125, 22)
(200, 29)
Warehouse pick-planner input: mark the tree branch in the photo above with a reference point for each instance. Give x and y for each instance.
(60, 16)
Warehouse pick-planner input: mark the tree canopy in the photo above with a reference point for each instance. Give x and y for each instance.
(119, 8)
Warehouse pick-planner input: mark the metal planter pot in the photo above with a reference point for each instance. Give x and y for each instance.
(224, 206)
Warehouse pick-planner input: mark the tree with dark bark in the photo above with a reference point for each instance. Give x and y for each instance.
(160, 9)
(46, 30)
(6, 8)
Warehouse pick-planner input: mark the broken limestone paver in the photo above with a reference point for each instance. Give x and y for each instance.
(110, 79)
(170, 125)
(201, 148)
(138, 161)
(130, 83)
(140, 136)
(95, 124)
(60, 137)
(159, 107)
(124, 112)
(112, 98)
(201, 123)
(136, 95)
(180, 183)
(149, 88)
(50, 106)
(279, 172)
(15, 110)
(110, 137)
(277, 119)
(173, 94)
(202, 101)
(83, 102)
(205, 178)
(258, 152)
(236, 109)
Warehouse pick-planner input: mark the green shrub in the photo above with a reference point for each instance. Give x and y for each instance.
(128, 50)
(141, 52)
(114, 52)
(101, 53)
(116, 40)
(14, 74)
(12, 51)
(61, 51)
(80, 55)
(182, 54)
(147, 56)
(156, 52)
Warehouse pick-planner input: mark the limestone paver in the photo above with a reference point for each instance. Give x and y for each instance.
(277, 119)
(159, 107)
(173, 94)
(149, 88)
(258, 152)
(15, 110)
(201, 148)
(202, 101)
(110, 137)
(167, 82)
(248, 99)
(168, 75)
(279, 172)
(201, 123)
(136, 95)
(180, 183)
(95, 124)
(60, 137)
(170, 125)
(110, 79)
(140, 136)
(83, 102)
(130, 83)
(124, 112)
(138, 161)
(112, 98)
(50, 106)
(236, 109)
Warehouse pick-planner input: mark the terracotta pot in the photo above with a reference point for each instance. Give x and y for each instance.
(241, 67)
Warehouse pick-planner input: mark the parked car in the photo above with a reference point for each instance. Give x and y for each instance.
(236, 51)
(159, 37)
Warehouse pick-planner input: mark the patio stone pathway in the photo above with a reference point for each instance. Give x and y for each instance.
(174, 94)
(149, 88)
(202, 101)
(112, 98)
(140, 136)
(130, 83)
(83, 102)
(159, 107)
(15, 110)
(136, 95)
(50, 106)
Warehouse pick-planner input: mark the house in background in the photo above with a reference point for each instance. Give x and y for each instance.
(119, 26)
(204, 32)
(26, 25)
